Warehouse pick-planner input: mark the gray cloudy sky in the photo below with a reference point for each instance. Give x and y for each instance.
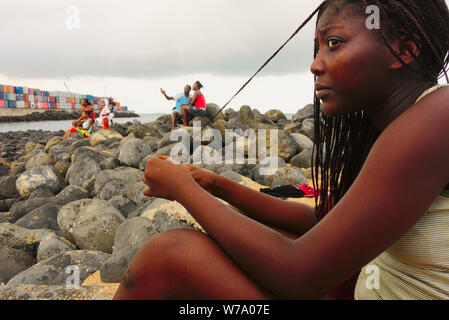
(130, 49)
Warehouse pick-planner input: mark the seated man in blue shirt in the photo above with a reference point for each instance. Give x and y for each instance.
(180, 99)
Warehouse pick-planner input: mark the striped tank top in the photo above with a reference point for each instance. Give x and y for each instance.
(417, 266)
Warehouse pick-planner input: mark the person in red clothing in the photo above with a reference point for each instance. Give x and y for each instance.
(197, 107)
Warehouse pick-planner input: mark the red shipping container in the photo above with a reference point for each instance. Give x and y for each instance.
(73, 106)
(2, 103)
(44, 105)
(26, 97)
(27, 105)
(52, 99)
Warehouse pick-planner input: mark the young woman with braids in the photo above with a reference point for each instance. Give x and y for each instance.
(382, 149)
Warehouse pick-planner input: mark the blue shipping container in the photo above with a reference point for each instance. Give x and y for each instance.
(18, 90)
(11, 104)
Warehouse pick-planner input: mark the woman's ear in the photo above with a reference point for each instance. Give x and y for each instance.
(406, 49)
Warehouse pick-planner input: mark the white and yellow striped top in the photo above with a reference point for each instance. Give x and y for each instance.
(417, 266)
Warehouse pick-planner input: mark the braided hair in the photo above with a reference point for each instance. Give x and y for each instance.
(342, 143)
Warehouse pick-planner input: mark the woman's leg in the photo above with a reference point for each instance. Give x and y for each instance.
(186, 264)
(67, 134)
(185, 112)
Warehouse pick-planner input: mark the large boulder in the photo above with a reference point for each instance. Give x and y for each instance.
(53, 271)
(44, 217)
(174, 137)
(132, 151)
(142, 131)
(130, 175)
(63, 167)
(284, 176)
(88, 152)
(103, 135)
(20, 238)
(47, 177)
(70, 194)
(12, 262)
(6, 204)
(275, 115)
(292, 127)
(110, 164)
(91, 224)
(123, 204)
(307, 128)
(304, 113)
(82, 171)
(302, 159)
(17, 168)
(135, 191)
(41, 159)
(111, 189)
(163, 221)
(212, 109)
(303, 141)
(129, 238)
(22, 208)
(52, 143)
(8, 187)
(286, 145)
(78, 144)
(53, 245)
(41, 193)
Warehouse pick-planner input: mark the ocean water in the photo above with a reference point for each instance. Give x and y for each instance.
(65, 124)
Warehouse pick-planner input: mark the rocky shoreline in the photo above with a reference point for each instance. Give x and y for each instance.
(50, 115)
(80, 202)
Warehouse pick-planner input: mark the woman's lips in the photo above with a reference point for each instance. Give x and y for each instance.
(323, 93)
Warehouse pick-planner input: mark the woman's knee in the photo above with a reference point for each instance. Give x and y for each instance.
(165, 252)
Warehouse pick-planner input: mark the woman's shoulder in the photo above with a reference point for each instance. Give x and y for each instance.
(431, 109)
(421, 134)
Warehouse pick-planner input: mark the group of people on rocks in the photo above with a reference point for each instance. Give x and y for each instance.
(187, 106)
(85, 124)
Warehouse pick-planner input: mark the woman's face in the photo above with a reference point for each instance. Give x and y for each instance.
(195, 86)
(351, 67)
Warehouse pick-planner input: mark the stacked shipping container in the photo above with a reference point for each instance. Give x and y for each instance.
(27, 98)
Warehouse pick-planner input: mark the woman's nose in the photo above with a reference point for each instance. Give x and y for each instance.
(317, 67)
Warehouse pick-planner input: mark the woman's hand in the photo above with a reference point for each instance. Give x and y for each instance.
(206, 179)
(164, 178)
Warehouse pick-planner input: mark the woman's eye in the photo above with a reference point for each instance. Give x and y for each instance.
(333, 42)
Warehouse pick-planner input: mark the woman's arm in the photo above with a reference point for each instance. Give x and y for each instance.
(290, 216)
(384, 202)
(193, 99)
